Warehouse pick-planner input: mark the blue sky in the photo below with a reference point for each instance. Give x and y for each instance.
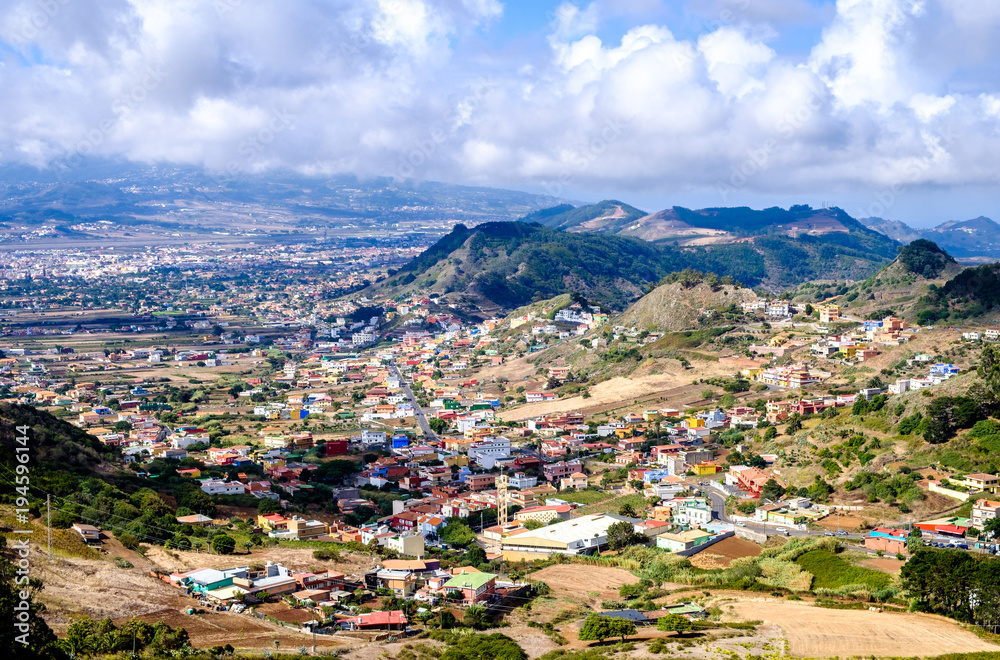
(882, 107)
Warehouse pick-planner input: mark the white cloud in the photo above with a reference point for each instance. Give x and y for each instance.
(414, 88)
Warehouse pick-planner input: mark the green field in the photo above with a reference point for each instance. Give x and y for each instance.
(584, 497)
(831, 571)
(638, 502)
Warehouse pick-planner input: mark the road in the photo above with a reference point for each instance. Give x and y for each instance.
(418, 412)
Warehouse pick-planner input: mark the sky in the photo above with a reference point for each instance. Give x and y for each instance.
(885, 108)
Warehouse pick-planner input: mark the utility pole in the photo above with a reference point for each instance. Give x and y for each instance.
(48, 511)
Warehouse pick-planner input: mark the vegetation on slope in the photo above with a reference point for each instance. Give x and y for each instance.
(615, 215)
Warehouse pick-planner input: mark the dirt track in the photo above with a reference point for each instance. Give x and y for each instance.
(819, 632)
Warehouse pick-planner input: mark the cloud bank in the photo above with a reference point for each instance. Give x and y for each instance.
(890, 95)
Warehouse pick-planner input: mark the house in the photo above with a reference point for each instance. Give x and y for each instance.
(220, 487)
(983, 511)
(577, 480)
(544, 514)
(407, 544)
(887, 540)
(519, 480)
(477, 482)
(402, 582)
(378, 620)
(197, 520)
(473, 587)
(678, 541)
(89, 533)
(979, 482)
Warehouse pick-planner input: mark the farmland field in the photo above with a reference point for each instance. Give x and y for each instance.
(824, 633)
(832, 571)
(613, 505)
(584, 497)
(724, 552)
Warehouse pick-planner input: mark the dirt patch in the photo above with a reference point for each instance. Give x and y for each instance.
(722, 554)
(884, 564)
(818, 632)
(584, 584)
(294, 558)
(241, 630)
(846, 523)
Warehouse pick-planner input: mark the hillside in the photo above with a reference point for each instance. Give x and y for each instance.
(496, 267)
(978, 238)
(973, 293)
(608, 216)
(61, 454)
(896, 289)
(503, 265)
(894, 229)
(678, 305)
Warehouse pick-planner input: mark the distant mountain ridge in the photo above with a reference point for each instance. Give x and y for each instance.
(968, 239)
(594, 250)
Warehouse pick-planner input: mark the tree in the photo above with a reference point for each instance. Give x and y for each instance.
(447, 620)
(772, 490)
(989, 372)
(458, 534)
(621, 534)
(992, 528)
(223, 544)
(476, 617)
(496, 646)
(673, 623)
(770, 433)
(915, 540)
(622, 628)
(266, 505)
(627, 510)
(438, 425)
(596, 627)
(40, 642)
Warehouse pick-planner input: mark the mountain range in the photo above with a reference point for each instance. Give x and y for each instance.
(976, 239)
(612, 252)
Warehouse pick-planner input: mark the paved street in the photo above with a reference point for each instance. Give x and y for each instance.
(418, 412)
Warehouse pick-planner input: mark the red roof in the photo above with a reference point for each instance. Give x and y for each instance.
(393, 618)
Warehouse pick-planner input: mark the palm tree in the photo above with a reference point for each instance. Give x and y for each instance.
(476, 617)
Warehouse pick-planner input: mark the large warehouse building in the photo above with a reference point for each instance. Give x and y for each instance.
(577, 536)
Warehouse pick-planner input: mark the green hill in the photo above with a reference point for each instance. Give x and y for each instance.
(607, 216)
(498, 266)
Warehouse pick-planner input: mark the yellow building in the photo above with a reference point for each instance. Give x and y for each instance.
(704, 468)
(829, 313)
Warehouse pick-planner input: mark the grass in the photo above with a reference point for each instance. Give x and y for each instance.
(832, 572)
(584, 497)
(611, 506)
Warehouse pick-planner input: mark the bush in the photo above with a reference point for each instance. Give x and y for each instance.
(223, 544)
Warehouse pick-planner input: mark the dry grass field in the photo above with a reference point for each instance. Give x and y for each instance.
(824, 633)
